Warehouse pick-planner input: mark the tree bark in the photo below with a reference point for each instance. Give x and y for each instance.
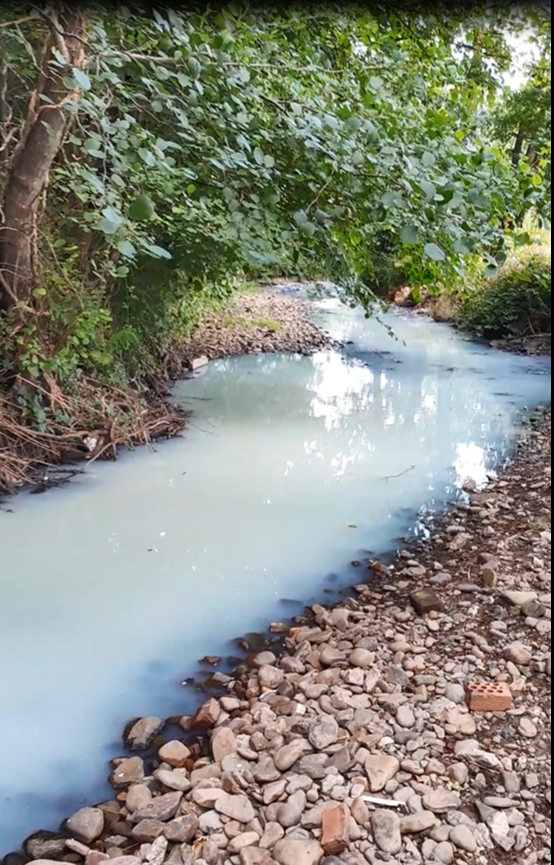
(47, 123)
(517, 148)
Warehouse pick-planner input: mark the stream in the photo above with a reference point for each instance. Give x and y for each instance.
(113, 588)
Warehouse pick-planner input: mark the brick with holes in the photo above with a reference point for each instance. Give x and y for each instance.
(489, 697)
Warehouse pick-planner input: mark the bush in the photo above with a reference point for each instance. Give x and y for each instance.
(517, 302)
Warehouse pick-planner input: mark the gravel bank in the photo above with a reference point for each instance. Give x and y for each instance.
(263, 321)
(369, 699)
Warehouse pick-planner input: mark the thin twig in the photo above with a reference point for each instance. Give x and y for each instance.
(405, 472)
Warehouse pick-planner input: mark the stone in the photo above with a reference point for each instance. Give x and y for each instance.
(198, 363)
(489, 697)
(455, 693)
(287, 756)
(463, 838)
(224, 743)
(265, 771)
(247, 839)
(175, 754)
(270, 677)
(386, 831)
(518, 655)
(426, 601)
(206, 797)
(335, 826)
(86, 825)
(206, 717)
(147, 831)
(237, 808)
(528, 729)
(297, 852)
(441, 801)
(163, 808)
(273, 833)
(125, 860)
(127, 772)
(414, 824)
(138, 796)
(265, 659)
(173, 779)
(500, 831)
(511, 782)
(323, 732)
(445, 853)
(380, 769)
(255, 856)
(142, 733)
(519, 599)
(45, 845)
(459, 773)
(275, 791)
(362, 658)
(405, 717)
(182, 830)
(290, 812)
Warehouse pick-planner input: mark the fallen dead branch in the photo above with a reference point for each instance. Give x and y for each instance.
(97, 422)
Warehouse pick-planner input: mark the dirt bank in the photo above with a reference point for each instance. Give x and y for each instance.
(356, 743)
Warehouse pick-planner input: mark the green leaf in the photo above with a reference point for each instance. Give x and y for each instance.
(429, 189)
(142, 209)
(491, 270)
(269, 161)
(462, 247)
(107, 226)
(434, 252)
(82, 80)
(376, 83)
(428, 159)
(126, 249)
(522, 239)
(158, 251)
(409, 234)
(112, 215)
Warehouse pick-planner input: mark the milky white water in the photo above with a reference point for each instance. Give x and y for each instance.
(112, 588)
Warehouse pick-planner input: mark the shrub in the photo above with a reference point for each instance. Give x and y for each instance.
(517, 302)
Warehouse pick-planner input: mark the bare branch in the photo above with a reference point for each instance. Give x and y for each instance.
(19, 21)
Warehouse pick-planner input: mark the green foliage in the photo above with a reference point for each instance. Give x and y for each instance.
(518, 302)
(250, 141)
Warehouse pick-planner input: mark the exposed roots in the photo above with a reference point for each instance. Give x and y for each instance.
(81, 429)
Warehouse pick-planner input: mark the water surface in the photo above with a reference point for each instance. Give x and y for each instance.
(113, 588)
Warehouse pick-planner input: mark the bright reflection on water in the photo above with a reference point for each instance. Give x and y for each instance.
(112, 589)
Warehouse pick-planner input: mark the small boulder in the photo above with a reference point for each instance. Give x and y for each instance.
(142, 733)
(86, 825)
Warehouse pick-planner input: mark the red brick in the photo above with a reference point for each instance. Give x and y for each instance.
(489, 697)
(336, 830)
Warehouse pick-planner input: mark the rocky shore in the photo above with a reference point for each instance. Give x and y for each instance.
(408, 724)
(257, 321)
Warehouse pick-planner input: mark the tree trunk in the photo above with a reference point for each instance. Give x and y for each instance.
(48, 121)
(517, 149)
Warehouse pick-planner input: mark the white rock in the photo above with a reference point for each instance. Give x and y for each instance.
(297, 853)
(386, 831)
(380, 769)
(323, 732)
(86, 825)
(463, 838)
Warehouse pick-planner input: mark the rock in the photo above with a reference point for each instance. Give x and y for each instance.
(519, 599)
(413, 824)
(445, 853)
(528, 729)
(273, 833)
(270, 677)
(455, 693)
(173, 779)
(265, 771)
(198, 363)
(380, 769)
(405, 717)
(224, 743)
(290, 812)
(175, 754)
(125, 860)
(463, 838)
(182, 830)
(459, 773)
(500, 831)
(329, 657)
(206, 717)
(86, 825)
(518, 655)
(335, 825)
(237, 808)
(362, 658)
(45, 845)
(287, 756)
(127, 772)
(426, 601)
(138, 796)
(386, 831)
(147, 831)
(265, 659)
(141, 735)
(163, 808)
(323, 732)
(247, 839)
(441, 801)
(297, 853)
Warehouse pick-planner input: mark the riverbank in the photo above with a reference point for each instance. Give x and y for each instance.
(104, 419)
(368, 698)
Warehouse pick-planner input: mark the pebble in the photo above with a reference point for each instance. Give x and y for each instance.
(298, 852)
(387, 831)
(381, 769)
(463, 838)
(323, 732)
(86, 825)
(419, 822)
